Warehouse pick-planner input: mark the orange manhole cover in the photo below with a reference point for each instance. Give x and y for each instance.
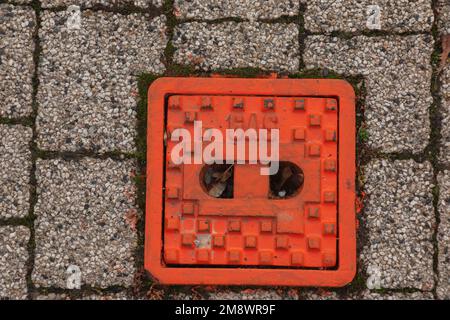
(228, 223)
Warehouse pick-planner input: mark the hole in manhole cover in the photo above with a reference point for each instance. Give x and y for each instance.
(218, 180)
(252, 176)
(287, 182)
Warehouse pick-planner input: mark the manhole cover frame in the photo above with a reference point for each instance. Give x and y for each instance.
(158, 93)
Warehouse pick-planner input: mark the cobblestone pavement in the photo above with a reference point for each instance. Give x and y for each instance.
(71, 146)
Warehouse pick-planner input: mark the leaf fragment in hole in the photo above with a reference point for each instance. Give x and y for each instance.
(220, 182)
(217, 175)
(218, 189)
(285, 175)
(227, 174)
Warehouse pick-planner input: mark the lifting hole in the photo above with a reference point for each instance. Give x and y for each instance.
(287, 183)
(217, 180)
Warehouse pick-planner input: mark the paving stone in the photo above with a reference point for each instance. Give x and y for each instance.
(85, 212)
(368, 295)
(398, 75)
(400, 222)
(17, 25)
(443, 287)
(246, 9)
(445, 95)
(97, 296)
(183, 296)
(88, 78)
(13, 259)
(19, 1)
(443, 14)
(51, 297)
(15, 170)
(319, 294)
(237, 45)
(244, 294)
(247, 294)
(107, 296)
(106, 3)
(353, 16)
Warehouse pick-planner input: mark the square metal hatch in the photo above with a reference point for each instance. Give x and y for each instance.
(252, 237)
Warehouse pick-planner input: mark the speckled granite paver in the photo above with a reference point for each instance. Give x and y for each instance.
(398, 74)
(244, 9)
(368, 295)
(17, 26)
(399, 218)
(106, 3)
(443, 287)
(231, 45)
(88, 79)
(13, 262)
(353, 16)
(445, 109)
(443, 10)
(15, 170)
(83, 220)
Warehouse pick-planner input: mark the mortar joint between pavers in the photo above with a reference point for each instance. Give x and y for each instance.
(302, 34)
(24, 121)
(33, 147)
(80, 154)
(171, 23)
(127, 9)
(435, 141)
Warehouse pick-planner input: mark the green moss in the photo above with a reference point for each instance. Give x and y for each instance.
(357, 285)
(144, 82)
(285, 19)
(178, 70)
(435, 58)
(363, 134)
(316, 73)
(169, 52)
(243, 72)
(171, 23)
(25, 121)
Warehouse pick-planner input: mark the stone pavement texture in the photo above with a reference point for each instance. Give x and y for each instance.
(367, 295)
(69, 144)
(17, 25)
(82, 211)
(443, 9)
(88, 78)
(104, 3)
(445, 96)
(232, 45)
(398, 72)
(244, 9)
(399, 224)
(13, 262)
(351, 16)
(443, 287)
(15, 160)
